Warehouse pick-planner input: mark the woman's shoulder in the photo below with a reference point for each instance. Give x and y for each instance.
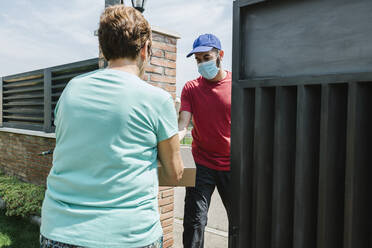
(156, 94)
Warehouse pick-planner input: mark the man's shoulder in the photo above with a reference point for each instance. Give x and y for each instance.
(193, 83)
(229, 75)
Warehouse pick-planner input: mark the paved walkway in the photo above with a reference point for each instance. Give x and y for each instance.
(216, 232)
(213, 238)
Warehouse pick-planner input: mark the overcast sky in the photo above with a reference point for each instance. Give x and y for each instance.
(38, 34)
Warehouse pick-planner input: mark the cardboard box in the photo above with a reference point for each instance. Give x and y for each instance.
(189, 172)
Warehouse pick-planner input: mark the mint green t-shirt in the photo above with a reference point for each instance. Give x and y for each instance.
(103, 186)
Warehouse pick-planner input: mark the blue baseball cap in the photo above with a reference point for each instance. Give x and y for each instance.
(205, 43)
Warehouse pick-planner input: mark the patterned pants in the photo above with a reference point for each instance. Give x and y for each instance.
(47, 243)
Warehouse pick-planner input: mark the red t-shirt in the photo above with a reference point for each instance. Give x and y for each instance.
(210, 105)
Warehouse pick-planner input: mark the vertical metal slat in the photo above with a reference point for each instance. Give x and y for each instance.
(306, 170)
(241, 166)
(284, 162)
(47, 100)
(240, 236)
(358, 216)
(332, 166)
(263, 159)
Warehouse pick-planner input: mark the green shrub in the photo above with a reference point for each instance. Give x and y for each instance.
(21, 199)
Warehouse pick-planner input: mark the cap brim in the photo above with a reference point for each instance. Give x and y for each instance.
(199, 49)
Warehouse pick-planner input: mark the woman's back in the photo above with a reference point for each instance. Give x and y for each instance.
(102, 189)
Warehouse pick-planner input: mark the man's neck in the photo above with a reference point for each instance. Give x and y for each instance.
(126, 65)
(220, 75)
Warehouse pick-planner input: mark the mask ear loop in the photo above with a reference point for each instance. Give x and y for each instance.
(218, 61)
(149, 51)
(149, 54)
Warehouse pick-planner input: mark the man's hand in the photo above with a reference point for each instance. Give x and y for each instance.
(182, 134)
(183, 122)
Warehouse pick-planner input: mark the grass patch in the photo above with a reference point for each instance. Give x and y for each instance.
(17, 232)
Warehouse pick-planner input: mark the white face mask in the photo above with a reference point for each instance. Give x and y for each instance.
(209, 69)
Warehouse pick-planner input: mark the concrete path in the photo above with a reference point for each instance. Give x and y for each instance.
(217, 229)
(216, 235)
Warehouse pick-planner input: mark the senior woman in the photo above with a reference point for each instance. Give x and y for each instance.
(110, 129)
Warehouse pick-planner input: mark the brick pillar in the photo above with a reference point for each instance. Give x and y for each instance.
(161, 72)
(166, 207)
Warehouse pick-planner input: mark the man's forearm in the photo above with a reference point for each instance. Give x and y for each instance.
(183, 123)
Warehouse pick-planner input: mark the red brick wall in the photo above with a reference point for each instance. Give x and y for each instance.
(19, 156)
(166, 207)
(161, 71)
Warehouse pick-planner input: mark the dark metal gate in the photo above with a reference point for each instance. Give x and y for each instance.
(302, 124)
